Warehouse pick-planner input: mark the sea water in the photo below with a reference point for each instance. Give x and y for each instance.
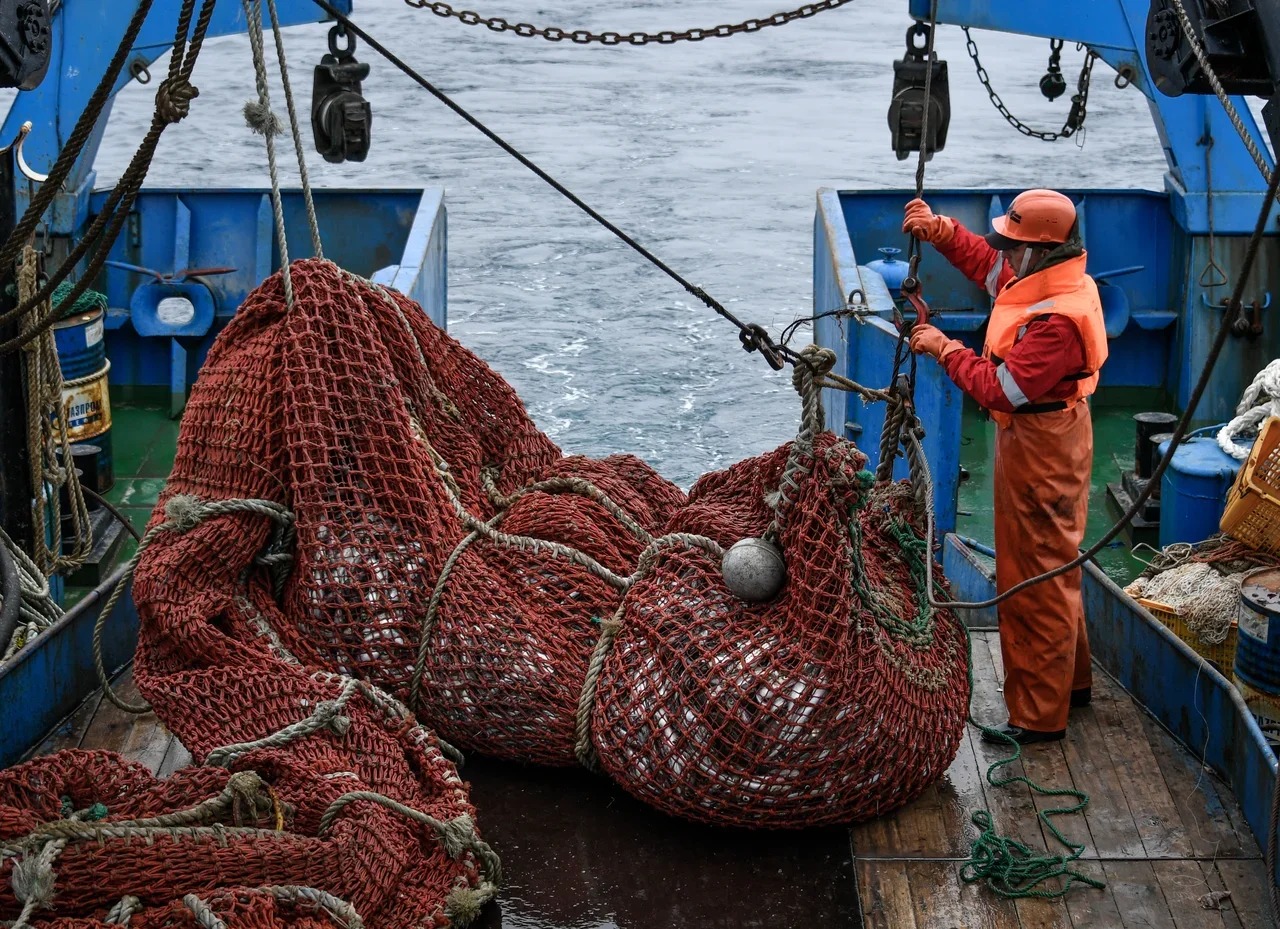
(708, 153)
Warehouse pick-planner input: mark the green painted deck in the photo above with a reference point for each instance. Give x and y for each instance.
(144, 442)
(1113, 442)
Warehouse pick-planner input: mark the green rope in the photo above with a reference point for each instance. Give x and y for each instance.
(87, 302)
(92, 814)
(1009, 868)
(918, 631)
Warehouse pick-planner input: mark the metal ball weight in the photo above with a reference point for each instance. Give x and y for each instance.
(754, 570)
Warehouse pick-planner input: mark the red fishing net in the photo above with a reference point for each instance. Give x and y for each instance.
(527, 604)
(86, 832)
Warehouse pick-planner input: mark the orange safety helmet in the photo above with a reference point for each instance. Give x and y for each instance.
(1035, 217)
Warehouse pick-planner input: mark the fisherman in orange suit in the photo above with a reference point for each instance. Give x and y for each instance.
(1045, 345)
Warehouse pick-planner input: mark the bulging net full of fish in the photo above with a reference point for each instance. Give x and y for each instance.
(528, 604)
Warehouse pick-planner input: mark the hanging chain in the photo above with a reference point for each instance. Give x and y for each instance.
(584, 37)
(1079, 101)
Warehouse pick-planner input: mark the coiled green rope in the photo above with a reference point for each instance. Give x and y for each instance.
(1010, 868)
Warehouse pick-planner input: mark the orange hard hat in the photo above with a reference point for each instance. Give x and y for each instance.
(1034, 217)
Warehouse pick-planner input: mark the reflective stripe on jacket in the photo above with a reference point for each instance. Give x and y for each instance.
(1065, 291)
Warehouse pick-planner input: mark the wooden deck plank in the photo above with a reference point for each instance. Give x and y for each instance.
(141, 738)
(943, 901)
(1210, 814)
(1034, 913)
(1112, 826)
(885, 895)
(176, 757)
(1138, 895)
(1247, 882)
(1046, 765)
(1155, 813)
(1093, 908)
(70, 733)
(1230, 918)
(1183, 884)
(1011, 806)
(937, 824)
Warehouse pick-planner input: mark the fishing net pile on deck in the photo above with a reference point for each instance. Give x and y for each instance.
(531, 605)
(90, 840)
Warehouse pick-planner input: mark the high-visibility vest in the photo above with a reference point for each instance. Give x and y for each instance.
(1062, 290)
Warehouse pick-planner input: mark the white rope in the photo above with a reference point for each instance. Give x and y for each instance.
(38, 611)
(1199, 593)
(316, 247)
(261, 119)
(1260, 401)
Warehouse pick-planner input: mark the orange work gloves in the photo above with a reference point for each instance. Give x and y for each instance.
(920, 221)
(930, 340)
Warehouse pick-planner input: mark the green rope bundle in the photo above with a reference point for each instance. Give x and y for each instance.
(1009, 868)
(88, 302)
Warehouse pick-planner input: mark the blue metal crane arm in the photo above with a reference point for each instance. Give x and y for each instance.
(1116, 30)
(86, 34)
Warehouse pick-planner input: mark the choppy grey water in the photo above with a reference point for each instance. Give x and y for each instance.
(710, 153)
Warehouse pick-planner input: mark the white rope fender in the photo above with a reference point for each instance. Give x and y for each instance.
(1260, 400)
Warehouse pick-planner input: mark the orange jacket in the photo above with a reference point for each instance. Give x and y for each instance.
(1062, 290)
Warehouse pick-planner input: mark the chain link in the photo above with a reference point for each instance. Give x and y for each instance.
(1079, 102)
(584, 37)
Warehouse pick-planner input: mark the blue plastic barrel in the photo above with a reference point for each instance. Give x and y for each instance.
(1258, 646)
(891, 269)
(81, 349)
(1193, 491)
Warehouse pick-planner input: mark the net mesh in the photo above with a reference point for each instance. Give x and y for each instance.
(524, 603)
(226, 837)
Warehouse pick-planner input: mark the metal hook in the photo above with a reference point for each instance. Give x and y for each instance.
(27, 171)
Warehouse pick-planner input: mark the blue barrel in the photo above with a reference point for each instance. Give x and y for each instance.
(891, 269)
(1193, 491)
(81, 348)
(1258, 646)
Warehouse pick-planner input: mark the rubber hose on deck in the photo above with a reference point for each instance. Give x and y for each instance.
(11, 590)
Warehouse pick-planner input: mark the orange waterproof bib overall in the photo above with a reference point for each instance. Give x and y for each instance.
(1043, 465)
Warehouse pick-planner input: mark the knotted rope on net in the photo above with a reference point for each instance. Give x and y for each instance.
(89, 839)
(531, 605)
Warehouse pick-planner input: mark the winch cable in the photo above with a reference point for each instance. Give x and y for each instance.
(753, 336)
(903, 393)
(1179, 433)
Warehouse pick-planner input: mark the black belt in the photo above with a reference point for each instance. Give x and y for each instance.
(1051, 407)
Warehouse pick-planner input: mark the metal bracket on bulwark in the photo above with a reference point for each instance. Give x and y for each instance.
(177, 305)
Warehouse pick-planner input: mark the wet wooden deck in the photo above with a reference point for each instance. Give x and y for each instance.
(1160, 830)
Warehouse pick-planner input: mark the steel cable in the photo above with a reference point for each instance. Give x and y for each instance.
(752, 336)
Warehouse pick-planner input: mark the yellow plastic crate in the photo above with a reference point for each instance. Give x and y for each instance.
(1221, 656)
(1253, 506)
